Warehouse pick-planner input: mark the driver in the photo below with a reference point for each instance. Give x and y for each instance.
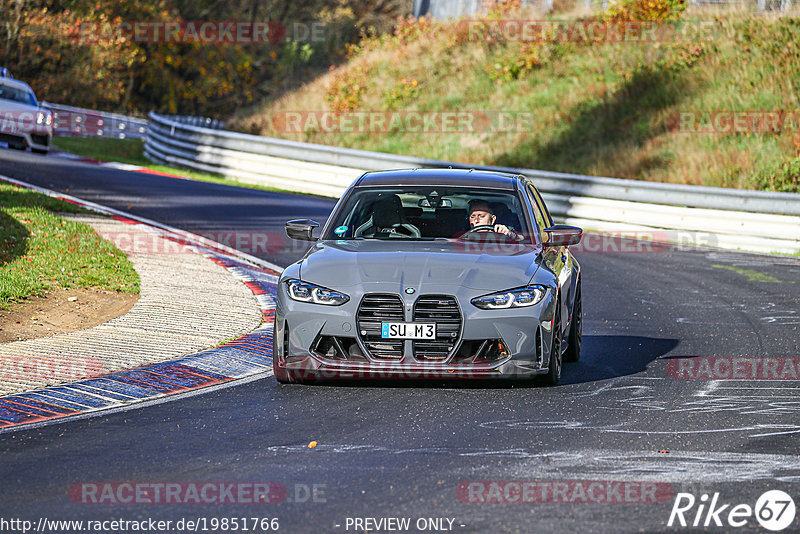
(481, 214)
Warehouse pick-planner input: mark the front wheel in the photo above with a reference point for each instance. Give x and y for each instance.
(554, 367)
(573, 353)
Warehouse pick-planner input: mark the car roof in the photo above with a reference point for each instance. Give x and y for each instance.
(439, 177)
(15, 83)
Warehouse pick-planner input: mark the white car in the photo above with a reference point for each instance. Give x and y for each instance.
(23, 121)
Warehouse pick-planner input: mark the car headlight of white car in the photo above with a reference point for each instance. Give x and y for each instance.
(512, 298)
(305, 292)
(44, 117)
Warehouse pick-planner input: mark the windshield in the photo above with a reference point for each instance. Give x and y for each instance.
(426, 213)
(9, 92)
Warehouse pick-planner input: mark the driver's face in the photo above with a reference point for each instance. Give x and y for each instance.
(479, 218)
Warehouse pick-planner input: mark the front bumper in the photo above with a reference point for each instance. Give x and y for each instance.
(313, 368)
(38, 140)
(510, 343)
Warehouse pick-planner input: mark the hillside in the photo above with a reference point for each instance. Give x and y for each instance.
(659, 109)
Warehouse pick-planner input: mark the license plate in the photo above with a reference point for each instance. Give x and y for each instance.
(408, 330)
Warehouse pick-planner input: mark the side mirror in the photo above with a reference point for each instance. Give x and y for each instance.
(301, 229)
(562, 235)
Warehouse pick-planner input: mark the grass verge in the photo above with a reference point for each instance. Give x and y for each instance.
(39, 249)
(129, 151)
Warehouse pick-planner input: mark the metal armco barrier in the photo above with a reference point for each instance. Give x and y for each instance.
(730, 218)
(73, 121)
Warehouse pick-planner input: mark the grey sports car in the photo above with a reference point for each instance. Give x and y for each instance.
(431, 273)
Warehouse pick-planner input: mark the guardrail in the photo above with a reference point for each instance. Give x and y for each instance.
(204, 122)
(729, 218)
(68, 120)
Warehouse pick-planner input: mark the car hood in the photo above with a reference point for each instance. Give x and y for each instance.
(400, 264)
(14, 106)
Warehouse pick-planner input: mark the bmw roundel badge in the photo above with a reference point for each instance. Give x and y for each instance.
(410, 290)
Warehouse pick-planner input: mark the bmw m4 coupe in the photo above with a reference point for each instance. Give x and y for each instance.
(431, 273)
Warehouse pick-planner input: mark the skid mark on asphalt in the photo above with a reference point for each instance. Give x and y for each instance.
(248, 355)
(683, 466)
(761, 429)
(745, 397)
(742, 397)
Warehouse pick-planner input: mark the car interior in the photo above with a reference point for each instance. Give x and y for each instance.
(413, 215)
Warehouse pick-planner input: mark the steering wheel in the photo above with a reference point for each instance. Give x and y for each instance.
(479, 228)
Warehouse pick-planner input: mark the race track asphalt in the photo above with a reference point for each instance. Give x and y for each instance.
(621, 416)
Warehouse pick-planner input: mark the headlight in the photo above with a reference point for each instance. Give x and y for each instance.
(513, 298)
(43, 117)
(305, 292)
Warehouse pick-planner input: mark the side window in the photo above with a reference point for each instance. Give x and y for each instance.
(541, 222)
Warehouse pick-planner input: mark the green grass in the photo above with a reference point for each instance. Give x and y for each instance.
(131, 151)
(39, 250)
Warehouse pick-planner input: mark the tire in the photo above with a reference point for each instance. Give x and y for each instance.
(573, 352)
(554, 367)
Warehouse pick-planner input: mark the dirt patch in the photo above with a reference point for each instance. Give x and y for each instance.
(60, 311)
